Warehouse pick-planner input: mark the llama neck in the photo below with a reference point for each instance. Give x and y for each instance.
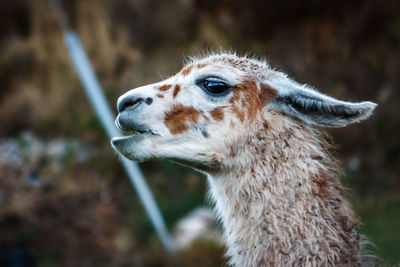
(284, 207)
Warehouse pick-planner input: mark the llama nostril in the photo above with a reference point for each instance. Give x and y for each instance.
(129, 103)
(148, 100)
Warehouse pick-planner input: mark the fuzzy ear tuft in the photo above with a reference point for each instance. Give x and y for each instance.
(309, 105)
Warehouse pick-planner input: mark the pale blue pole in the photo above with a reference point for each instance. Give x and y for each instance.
(99, 103)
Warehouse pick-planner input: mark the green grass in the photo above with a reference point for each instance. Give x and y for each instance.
(381, 224)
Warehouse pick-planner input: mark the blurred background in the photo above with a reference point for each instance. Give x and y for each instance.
(65, 199)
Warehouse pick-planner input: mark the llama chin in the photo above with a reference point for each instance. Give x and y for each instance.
(255, 133)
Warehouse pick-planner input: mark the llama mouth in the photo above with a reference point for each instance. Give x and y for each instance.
(130, 136)
(131, 130)
(133, 133)
(126, 136)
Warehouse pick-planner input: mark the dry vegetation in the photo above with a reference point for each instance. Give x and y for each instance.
(86, 214)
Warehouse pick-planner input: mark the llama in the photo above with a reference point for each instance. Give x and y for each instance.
(255, 133)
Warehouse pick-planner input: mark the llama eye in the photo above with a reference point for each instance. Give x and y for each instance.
(215, 88)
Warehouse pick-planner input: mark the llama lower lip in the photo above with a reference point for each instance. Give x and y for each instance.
(130, 136)
(120, 141)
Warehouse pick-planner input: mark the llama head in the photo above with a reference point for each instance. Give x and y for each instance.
(193, 116)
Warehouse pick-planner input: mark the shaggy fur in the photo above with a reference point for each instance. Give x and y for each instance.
(281, 202)
(274, 185)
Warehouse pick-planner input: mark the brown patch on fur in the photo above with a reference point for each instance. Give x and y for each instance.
(177, 88)
(266, 126)
(205, 117)
(160, 95)
(177, 118)
(233, 152)
(164, 87)
(267, 94)
(321, 185)
(200, 65)
(186, 70)
(262, 133)
(217, 114)
(246, 100)
(239, 113)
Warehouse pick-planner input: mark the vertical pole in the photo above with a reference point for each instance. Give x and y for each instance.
(99, 103)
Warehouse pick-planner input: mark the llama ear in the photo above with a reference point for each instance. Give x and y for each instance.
(307, 104)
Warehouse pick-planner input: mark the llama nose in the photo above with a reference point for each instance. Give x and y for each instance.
(131, 102)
